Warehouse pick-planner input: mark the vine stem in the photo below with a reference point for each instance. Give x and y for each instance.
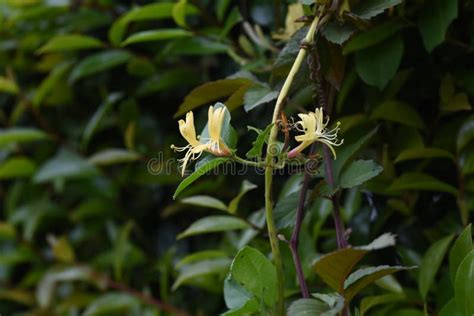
(272, 231)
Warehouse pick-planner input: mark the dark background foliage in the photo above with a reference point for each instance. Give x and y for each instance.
(89, 107)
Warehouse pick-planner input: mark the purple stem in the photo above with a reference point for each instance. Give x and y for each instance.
(296, 231)
(339, 225)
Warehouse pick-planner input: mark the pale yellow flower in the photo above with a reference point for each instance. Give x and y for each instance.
(196, 146)
(313, 126)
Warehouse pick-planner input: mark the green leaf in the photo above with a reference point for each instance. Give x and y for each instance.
(465, 134)
(65, 165)
(213, 224)
(112, 304)
(347, 152)
(450, 309)
(334, 267)
(69, 42)
(200, 256)
(371, 37)
(155, 35)
(20, 135)
(210, 92)
(434, 21)
(369, 8)
(205, 201)
(200, 171)
(249, 308)
(285, 210)
(94, 123)
(244, 188)
(150, 12)
(288, 54)
(420, 181)
(17, 167)
(194, 46)
(361, 278)
(378, 64)
(47, 86)
(371, 301)
(99, 62)
(431, 262)
(258, 95)
(464, 285)
(423, 153)
(309, 306)
(50, 279)
(113, 156)
(359, 172)
(399, 112)
(199, 269)
(462, 246)
(235, 296)
(7, 85)
(179, 13)
(253, 271)
(257, 145)
(121, 249)
(338, 33)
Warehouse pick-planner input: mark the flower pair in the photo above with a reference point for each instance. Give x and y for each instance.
(196, 145)
(313, 126)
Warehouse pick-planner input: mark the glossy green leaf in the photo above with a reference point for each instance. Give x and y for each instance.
(370, 8)
(45, 289)
(47, 86)
(257, 145)
(465, 134)
(372, 301)
(431, 262)
(309, 306)
(378, 64)
(7, 85)
(338, 33)
(371, 37)
(155, 35)
(70, 42)
(112, 303)
(213, 224)
(200, 171)
(65, 165)
(179, 13)
(450, 309)
(94, 123)
(423, 153)
(20, 135)
(199, 269)
(258, 95)
(420, 181)
(347, 152)
(210, 92)
(99, 62)
(194, 46)
(398, 112)
(201, 256)
(18, 167)
(205, 201)
(256, 274)
(244, 188)
(434, 21)
(464, 285)
(285, 210)
(235, 295)
(361, 278)
(359, 172)
(149, 12)
(334, 267)
(113, 156)
(462, 246)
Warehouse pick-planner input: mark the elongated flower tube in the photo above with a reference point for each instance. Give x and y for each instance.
(313, 126)
(195, 147)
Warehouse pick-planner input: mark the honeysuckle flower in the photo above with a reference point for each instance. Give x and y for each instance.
(196, 146)
(313, 126)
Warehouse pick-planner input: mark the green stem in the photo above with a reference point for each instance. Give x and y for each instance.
(243, 161)
(271, 153)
